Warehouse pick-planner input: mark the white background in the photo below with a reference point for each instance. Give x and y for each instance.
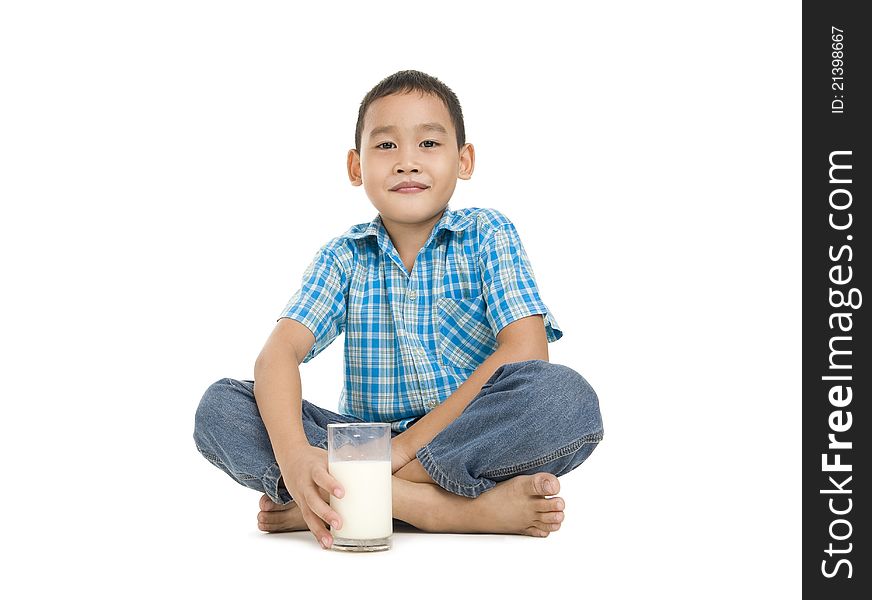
(168, 169)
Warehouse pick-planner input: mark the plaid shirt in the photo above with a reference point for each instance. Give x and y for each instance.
(412, 338)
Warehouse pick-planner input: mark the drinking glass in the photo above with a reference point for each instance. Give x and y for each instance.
(359, 457)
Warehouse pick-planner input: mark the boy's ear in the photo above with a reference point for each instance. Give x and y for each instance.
(354, 167)
(467, 162)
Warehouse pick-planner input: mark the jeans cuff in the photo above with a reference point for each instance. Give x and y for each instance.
(271, 478)
(570, 449)
(425, 457)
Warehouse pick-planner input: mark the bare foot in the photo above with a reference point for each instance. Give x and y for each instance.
(274, 518)
(518, 505)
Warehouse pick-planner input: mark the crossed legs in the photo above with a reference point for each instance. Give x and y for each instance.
(532, 422)
(518, 505)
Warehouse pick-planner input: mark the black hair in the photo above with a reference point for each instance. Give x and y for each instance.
(413, 81)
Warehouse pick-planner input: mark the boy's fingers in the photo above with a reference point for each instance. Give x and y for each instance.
(327, 482)
(323, 510)
(316, 526)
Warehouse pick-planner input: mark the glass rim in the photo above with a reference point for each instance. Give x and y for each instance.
(342, 425)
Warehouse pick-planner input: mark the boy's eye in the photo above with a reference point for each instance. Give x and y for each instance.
(425, 143)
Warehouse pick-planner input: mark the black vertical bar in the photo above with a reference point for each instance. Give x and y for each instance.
(836, 369)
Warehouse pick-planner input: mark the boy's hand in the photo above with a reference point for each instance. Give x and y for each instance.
(310, 484)
(400, 455)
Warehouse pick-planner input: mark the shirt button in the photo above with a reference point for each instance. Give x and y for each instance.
(413, 295)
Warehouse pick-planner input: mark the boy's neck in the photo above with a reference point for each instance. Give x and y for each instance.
(409, 238)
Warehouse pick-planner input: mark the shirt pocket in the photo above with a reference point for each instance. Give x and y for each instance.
(464, 336)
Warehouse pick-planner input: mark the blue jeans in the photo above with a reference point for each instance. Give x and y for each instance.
(530, 417)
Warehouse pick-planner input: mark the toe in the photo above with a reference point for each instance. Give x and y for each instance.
(262, 523)
(544, 484)
(270, 517)
(272, 520)
(536, 532)
(268, 505)
(547, 527)
(550, 505)
(551, 517)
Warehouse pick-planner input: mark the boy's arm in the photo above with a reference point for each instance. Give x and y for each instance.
(278, 393)
(520, 340)
(278, 390)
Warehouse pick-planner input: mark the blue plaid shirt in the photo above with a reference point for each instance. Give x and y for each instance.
(412, 338)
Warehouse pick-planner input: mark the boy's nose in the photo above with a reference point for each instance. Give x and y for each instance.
(407, 164)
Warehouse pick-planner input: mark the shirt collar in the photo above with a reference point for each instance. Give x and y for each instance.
(454, 221)
(375, 228)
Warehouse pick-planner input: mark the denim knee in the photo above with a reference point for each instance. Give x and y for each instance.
(230, 434)
(211, 412)
(563, 392)
(568, 402)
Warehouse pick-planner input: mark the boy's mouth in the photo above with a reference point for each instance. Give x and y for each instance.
(409, 187)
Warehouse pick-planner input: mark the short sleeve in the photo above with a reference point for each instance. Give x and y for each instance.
(320, 302)
(509, 287)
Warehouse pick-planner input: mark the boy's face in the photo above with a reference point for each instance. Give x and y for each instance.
(409, 138)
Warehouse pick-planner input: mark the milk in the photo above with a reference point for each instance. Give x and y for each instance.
(365, 508)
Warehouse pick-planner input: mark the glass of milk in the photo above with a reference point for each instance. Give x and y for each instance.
(359, 457)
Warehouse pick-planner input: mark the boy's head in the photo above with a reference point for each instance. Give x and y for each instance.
(410, 131)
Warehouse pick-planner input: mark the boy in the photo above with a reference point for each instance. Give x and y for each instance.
(445, 338)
